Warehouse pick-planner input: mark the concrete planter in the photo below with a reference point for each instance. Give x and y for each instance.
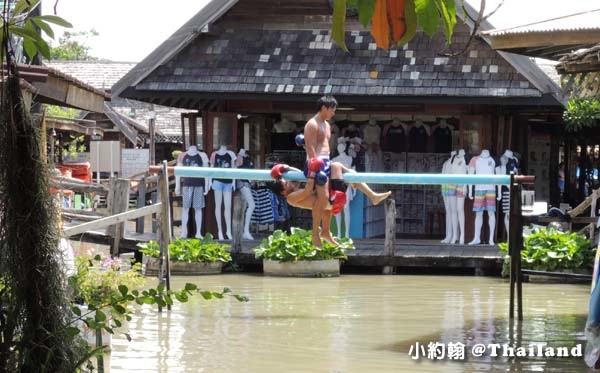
(184, 268)
(302, 268)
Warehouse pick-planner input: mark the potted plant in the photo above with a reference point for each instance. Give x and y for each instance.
(189, 256)
(550, 250)
(97, 287)
(294, 255)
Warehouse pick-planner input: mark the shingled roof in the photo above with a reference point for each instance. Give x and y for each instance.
(129, 116)
(250, 61)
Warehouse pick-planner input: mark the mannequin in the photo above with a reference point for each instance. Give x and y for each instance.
(284, 126)
(485, 196)
(371, 137)
(508, 165)
(335, 134)
(194, 189)
(243, 161)
(442, 137)
(347, 161)
(223, 188)
(446, 190)
(457, 203)
(418, 137)
(394, 137)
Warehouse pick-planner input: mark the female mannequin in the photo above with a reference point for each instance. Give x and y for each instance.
(447, 189)
(371, 137)
(347, 161)
(223, 188)
(194, 189)
(508, 165)
(485, 196)
(457, 203)
(243, 161)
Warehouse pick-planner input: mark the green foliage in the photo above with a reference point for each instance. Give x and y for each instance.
(582, 113)
(22, 24)
(298, 246)
(74, 145)
(61, 112)
(70, 48)
(547, 249)
(105, 291)
(205, 250)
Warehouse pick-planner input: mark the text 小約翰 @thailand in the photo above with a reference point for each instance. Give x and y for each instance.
(459, 351)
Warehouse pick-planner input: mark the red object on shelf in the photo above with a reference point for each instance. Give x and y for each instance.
(81, 171)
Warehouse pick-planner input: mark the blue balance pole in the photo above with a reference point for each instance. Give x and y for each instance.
(350, 177)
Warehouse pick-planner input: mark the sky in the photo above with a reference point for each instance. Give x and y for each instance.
(130, 29)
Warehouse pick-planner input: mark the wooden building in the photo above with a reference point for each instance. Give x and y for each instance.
(252, 71)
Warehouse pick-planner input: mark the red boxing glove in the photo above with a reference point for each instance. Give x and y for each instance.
(338, 201)
(315, 165)
(278, 170)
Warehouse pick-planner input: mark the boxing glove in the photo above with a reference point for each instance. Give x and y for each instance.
(315, 164)
(278, 170)
(338, 201)
(321, 178)
(299, 139)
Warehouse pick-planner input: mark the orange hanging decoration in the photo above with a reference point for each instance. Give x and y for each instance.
(397, 21)
(380, 27)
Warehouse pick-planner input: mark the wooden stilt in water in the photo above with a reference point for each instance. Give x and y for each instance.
(164, 233)
(237, 221)
(515, 245)
(390, 235)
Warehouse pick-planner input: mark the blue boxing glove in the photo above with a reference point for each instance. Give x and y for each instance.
(320, 178)
(299, 139)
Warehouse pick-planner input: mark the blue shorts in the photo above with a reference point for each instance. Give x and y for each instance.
(326, 168)
(224, 187)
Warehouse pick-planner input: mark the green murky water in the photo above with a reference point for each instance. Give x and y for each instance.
(353, 323)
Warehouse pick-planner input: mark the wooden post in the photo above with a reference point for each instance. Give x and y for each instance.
(141, 202)
(118, 200)
(515, 245)
(390, 235)
(237, 221)
(165, 230)
(593, 213)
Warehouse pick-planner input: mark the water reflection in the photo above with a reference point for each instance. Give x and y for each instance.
(351, 324)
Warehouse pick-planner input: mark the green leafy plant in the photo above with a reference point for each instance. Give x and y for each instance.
(205, 250)
(24, 25)
(298, 246)
(582, 113)
(547, 249)
(105, 290)
(75, 145)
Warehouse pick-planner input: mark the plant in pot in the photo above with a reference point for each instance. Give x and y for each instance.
(548, 249)
(294, 254)
(189, 256)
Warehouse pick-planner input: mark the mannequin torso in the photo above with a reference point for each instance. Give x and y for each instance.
(223, 158)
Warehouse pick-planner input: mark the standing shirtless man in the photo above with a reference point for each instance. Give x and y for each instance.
(317, 133)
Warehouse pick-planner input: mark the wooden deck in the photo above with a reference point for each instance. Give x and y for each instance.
(408, 253)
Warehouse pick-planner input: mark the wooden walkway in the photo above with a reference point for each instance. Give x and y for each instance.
(408, 253)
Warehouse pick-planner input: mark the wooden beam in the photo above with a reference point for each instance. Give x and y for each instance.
(547, 38)
(110, 220)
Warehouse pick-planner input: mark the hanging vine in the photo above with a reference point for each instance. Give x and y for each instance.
(33, 298)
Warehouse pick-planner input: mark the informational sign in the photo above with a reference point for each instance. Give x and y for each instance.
(105, 157)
